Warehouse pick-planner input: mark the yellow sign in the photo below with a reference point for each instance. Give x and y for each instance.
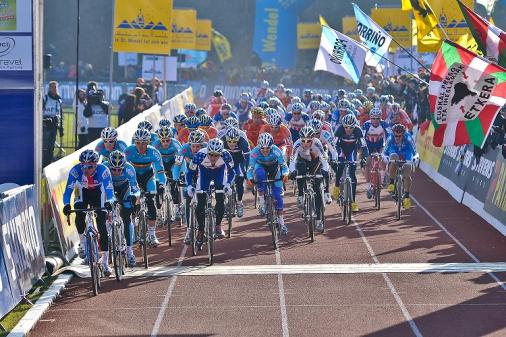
(184, 29)
(142, 26)
(395, 22)
(222, 46)
(428, 153)
(308, 35)
(350, 27)
(204, 31)
(450, 17)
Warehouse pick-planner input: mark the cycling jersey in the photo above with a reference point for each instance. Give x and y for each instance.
(347, 145)
(101, 180)
(253, 130)
(169, 155)
(239, 153)
(275, 157)
(281, 136)
(218, 118)
(125, 184)
(403, 119)
(102, 151)
(314, 151)
(208, 171)
(328, 142)
(375, 136)
(211, 131)
(295, 124)
(405, 150)
(243, 111)
(144, 163)
(214, 105)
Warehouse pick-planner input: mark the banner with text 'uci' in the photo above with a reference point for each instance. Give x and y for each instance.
(275, 38)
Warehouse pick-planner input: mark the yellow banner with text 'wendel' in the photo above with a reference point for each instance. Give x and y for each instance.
(184, 29)
(395, 22)
(204, 32)
(142, 26)
(308, 35)
(350, 27)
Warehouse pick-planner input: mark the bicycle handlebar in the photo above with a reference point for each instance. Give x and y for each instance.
(309, 176)
(92, 209)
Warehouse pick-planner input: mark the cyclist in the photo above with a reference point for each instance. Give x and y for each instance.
(127, 191)
(312, 107)
(190, 109)
(239, 149)
(399, 116)
(206, 125)
(253, 126)
(166, 122)
(275, 103)
(400, 146)
(375, 132)
(327, 140)
(371, 95)
(349, 138)
(148, 126)
(243, 108)
(200, 111)
(296, 120)
(180, 126)
(281, 135)
(266, 163)
(92, 184)
(341, 94)
(230, 122)
(225, 112)
(343, 108)
(384, 106)
(214, 104)
(169, 147)
(192, 124)
(363, 115)
(212, 163)
(320, 115)
(307, 96)
(310, 157)
(109, 143)
(146, 160)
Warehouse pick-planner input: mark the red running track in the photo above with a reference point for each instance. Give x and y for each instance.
(300, 304)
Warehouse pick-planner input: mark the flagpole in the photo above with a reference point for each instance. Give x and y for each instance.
(414, 58)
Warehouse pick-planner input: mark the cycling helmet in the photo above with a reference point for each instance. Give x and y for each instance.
(297, 107)
(391, 98)
(308, 92)
(244, 97)
(370, 90)
(316, 125)
(196, 137)
(109, 133)
(215, 145)
(200, 111)
(343, 104)
(327, 98)
(368, 105)
(295, 99)
(117, 159)
(180, 119)
(193, 122)
(324, 106)
(145, 125)
(264, 105)
(274, 120)
(190, 107)
(349, 121)
(375, 113)
(356, 103)
(265, 140)
(358, 92)
(218, 93)
(396, 108)
(142, 135)
(341, 93)
(280, 86)
(383, 99)
(88, 157)
(165, 132)
(258, 111)
(274, 101)
(350, 96)
(288, 92)
(398, 128)
(232, 134)
(314, 105)
(164, 122)
(231, 122)
(270, 111)
(318, 114)
(226, 106)
(269, 94)
(306, 132)
(265, 84)
(205, 120)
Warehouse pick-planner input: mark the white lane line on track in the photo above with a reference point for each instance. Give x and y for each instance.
(165, 302)
(282, 303)
(287, 269)
(460, 244)
(390, 285)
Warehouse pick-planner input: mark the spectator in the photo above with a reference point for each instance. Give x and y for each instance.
(82, 122)
(129, 109)
(52, 122)
(158, 91)
(97, 111)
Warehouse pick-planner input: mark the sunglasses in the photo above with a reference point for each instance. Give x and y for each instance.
(375, 118)
(213, 154)
(89, 167)
(232, 141)
(165, 140)
(296, 113)
(397, 135)
(109, 141)
(349, 127)
(117, 169)
(141, 142)
(265, 148)
(306, 141)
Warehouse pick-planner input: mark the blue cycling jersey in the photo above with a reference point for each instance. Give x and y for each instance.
(101, 179)
(169, 153)
(145, 162)
(375, 136)
(405, 149)
(102, 151)
(125, 184)
(275, 157)
(347, 145)
(208, 171)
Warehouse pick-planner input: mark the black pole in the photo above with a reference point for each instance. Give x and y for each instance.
(76, 145)
(409, 53)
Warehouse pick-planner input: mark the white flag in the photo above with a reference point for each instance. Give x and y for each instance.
(340, 55)
(373, 36)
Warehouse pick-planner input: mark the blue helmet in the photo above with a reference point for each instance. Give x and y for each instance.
(164, 122)
(88, 157)
(205, 120)
(117, 159)
(193, 122)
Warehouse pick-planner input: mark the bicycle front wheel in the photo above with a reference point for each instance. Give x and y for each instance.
(93, 263)
(310, 216)
(168, 218)
(193, 229)
(230, 214)
(273, 226)
(210, 235)
(398, 192)
(115, 250)
(143, 224)
(377, 190)
(348, 200)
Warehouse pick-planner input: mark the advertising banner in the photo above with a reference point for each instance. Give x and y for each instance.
(127, 59)
(163, 67)
(57, 173)
(495, 202)
(142, 26)
(450, 17)
(204, 33)
(21, 243)
(308, 35)
(184, 29)
(395, 22)
(7, 299)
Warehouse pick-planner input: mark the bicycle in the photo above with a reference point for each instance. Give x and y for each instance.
(231, 208)
(271, 219)
(193, 224)
(346, 192)
(375, 177)
(141, 222)
(309, 203)
(398, 187)
(117, 243)
(166, 211)
(91, 249)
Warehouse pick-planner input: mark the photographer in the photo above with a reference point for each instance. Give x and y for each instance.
(97, 111)
(52, 121)
(82, 122)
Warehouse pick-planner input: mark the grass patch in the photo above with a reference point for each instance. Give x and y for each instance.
(13, 317)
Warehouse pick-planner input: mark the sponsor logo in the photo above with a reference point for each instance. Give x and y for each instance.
(7, 44)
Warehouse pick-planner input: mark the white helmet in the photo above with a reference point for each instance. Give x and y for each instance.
(215, 145)
(265, 140)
